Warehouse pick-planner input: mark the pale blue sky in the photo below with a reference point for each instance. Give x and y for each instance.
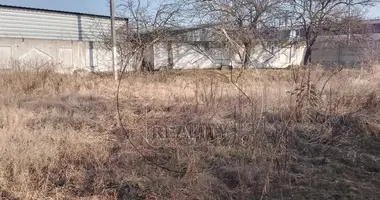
(374, 12)
(96, 6)
(85, 6)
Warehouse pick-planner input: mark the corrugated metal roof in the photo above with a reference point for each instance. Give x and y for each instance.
(21, 22)
(59, 11)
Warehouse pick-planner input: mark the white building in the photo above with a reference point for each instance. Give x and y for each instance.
(67, 40)
(199, 51)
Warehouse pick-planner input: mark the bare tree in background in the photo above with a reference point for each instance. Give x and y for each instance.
(240, 24)
(149, 23)
(321, 17)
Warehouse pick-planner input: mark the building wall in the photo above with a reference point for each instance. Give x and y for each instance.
(190, 57)
(69, 40)
(160, 54)
(65, 55)
(277, 57)
(19, 23)
(187, 57)
(344, 54)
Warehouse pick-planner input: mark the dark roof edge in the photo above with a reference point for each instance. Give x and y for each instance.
(60, 12)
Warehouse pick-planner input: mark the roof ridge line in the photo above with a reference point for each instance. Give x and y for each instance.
(59, 11)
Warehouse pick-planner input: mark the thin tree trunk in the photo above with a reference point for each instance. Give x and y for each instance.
(170, 55)
(307, 56)
(247, 57)
(309, 44)
(139, 61)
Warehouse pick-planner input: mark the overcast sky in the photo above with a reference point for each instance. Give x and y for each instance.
(96, 6)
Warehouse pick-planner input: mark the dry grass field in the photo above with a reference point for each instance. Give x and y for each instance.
(254, 134)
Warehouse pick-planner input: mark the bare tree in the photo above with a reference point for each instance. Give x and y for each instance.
(241, 25)
(324, 17)
(149, 23)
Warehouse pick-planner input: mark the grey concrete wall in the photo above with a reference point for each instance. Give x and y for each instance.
(345, 54)
(65, 55)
